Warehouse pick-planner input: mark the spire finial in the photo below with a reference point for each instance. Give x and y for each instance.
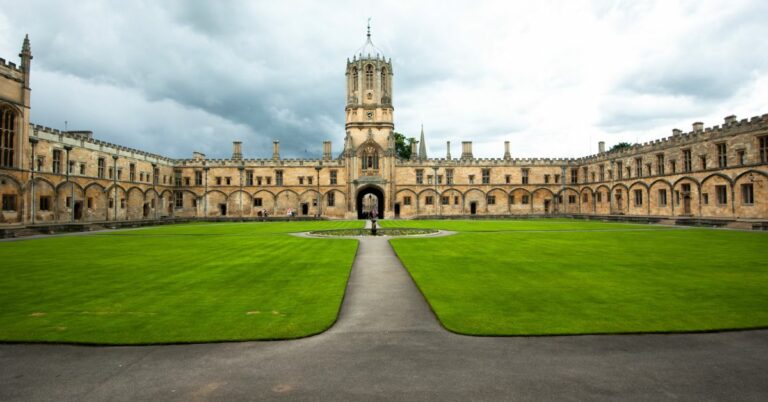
(369, 28)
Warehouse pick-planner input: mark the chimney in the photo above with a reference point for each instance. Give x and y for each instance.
(507, 155)
(198, 156)
(275, 149)
(698, 126)
(448, 150)
(601, 147)
(237, 150)
(730, 119)
(414, 149)
(326, 150)
(466, 150)
(676, 132)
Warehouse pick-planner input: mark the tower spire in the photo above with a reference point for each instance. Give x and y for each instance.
(422, 145)
(369, 28)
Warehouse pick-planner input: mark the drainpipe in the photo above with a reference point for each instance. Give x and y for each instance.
(72, 187)
(33, 141)
(240, 168)
(114, 184)
(319, 199)
(205, 193)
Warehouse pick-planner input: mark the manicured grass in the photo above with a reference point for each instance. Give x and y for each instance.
(176, 283)
(532, 283)
(514, 225)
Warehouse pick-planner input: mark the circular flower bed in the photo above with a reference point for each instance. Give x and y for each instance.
(379, 232)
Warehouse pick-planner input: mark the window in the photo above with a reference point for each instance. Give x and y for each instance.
(602, 172)
(111, 203)
(278, 177)
(439, 179)
(593, 177)
(619, 170)
(648, 169)
(662, 198)
(71, 167)
(89, 202)
(229, 180)
(249, 177)
(546, 179)
(369, 76)
(525, 176)
(334, 177)
(122, 203)
(659, 164)
(384, 81)
(704, 199)
(586, 174)
(629, 172)
(40, 163)
(82, 169)
(429, 179)
(258, 180)
(491, 200)
(9, 202)
(525, 199)
(430, 200)
(557, 178)
(764, 149)
(155, 175)
(471, 179)
(638, 167)
(355, 78)
(486, 176)
(132, 172)
(722, 155)
(218, 180)
(456, 200)
(722, 195)
(56, 161)
(747, 194)
(101, 165)
(407, 200)
(449, 176)
(7, 138)
(119, 174)
(179, 199)
(194, 202)
(445, 200)
(599, 196)
(638, 198)
(507, 179)
(574, 175)
(740, 154)
(571, 199)
(177, 178)
(687, 160)
(331, 199)
(111, 173)
(45, 203)
(257, 202)
(187, 181)
(269, 180)
(198, 178)
(703, 162)
(511, 200)
(419, 176)
(673, 166)
(585, 197)
(141, 176)
(301, 180)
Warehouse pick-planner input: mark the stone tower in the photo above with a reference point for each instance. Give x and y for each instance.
(369, 147)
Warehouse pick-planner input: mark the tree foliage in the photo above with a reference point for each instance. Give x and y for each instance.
(620, 146)
(403, 145)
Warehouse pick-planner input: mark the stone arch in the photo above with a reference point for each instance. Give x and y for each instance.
(601, 199)
(236, 199)
(455, 201)
(427, 209)
(516, 198)
(11, 186)
(64, 210)
(716, 174)
(216, 203)
(687, 202)
(339, 203)
(619, 199)
(44, 196)
(758, 181)
(367, 193)
(286, 200)
(587, 200)
(710, 204)
(638, 205)
(660, 198)
(568, 204)
(542, 201)
(500, 200)
(476, 197)
(412, 207)
(96, 203)
(263, 203)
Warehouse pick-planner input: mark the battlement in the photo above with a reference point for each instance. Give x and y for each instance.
(481, 162)
(86, 137)
(732, 126)
(260, 162)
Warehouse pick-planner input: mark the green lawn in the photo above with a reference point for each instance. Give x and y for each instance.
(176, 283)
(534, 277)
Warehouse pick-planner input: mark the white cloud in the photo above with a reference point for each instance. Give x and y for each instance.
(551, 77)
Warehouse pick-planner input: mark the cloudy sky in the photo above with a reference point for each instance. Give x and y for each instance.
(553, 78)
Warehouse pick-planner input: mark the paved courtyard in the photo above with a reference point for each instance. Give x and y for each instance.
(387, 344)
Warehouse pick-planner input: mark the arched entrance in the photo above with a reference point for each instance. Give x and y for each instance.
(367, 198)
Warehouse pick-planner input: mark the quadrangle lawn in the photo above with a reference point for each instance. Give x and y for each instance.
(538, 277)
(176, 283)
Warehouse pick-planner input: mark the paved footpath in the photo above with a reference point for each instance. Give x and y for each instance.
(387, 344)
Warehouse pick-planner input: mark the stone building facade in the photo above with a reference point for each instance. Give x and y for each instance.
(48, 175)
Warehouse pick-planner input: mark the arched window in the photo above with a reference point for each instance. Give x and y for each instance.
(370, 159)
(384, 81)
(355, 78)
(369, 76)
(7, 136)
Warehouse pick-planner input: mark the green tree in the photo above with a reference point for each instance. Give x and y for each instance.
(403, 145)
(620, 146)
